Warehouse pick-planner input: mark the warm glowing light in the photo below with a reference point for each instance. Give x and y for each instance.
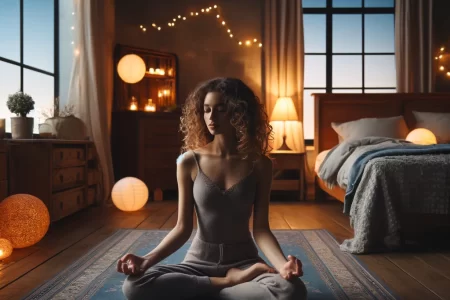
(6, 248)
(421, 136)
(24, 220)
(154, 25)
(448, 74)
(179, 17)
(174, 20)
(159, 28)
(229, 30)
(440, 56)
(223, 22)
(73, 28)
(73, 13)
(441, 68)
(150, 106)
(260, 45)
(218, 16)
(72, 43)
(436, 57)
(207, 10)
(159, 94)
(133, 106)
(231, 35)
(141, 26)
(129, 194)
(248, 43)
(131, 68)
(144, 29)
(76, 52)
(240, 43)
(196, 13)
(192, 13)
(215, 6)
(442, 48)
(255, 40)
(151, 70)
(184, 18)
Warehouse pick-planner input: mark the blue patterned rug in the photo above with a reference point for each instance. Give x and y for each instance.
(329, 273)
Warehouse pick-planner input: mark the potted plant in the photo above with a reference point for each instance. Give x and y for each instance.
(21, 104)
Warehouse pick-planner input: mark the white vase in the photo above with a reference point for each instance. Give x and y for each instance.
(67, 128)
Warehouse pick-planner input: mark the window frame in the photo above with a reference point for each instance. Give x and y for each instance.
(23, 66)
(329, 11)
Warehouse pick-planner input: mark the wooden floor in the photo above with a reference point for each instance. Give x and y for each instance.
(412, 275)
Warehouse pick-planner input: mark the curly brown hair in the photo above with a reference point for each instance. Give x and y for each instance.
(247, 115)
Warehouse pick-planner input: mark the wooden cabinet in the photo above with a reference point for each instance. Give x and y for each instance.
(289, 160)
(63, 174)
(146, 146)
(3, 171)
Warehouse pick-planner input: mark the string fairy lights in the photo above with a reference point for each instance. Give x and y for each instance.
(443, 59)
(205, 11)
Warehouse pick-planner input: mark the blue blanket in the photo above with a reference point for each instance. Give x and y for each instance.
(357, 169)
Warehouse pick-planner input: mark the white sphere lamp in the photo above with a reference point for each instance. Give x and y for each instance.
(421, 136)
(131, 68)
(129, 194)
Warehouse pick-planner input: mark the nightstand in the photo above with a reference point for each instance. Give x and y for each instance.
(289, 160)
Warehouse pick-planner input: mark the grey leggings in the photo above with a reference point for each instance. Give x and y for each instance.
(190, 279)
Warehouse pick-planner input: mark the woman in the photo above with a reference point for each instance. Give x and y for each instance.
(223, 173)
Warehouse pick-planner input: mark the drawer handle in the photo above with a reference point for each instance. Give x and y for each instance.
(61, 205)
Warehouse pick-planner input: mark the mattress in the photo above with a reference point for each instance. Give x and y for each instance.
(319, 159)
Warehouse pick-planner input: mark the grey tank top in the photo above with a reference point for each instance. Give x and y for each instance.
(223, 215)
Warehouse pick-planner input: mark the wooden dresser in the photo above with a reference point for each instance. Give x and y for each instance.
(63, 174)
(3, 171)
(146, 146)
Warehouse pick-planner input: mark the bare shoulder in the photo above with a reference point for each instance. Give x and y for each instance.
(186, 161)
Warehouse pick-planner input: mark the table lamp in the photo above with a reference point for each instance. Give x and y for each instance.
(284, 110)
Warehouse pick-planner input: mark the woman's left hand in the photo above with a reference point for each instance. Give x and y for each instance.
(292, 268)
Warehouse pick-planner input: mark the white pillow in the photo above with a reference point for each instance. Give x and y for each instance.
(393, 127)
(437, 123)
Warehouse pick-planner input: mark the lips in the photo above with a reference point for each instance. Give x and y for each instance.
(213, 126)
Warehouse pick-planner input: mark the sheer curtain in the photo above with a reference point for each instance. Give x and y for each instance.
(283, 54)
(414, 46)
(91, 83)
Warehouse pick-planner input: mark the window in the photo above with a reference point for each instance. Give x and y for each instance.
(28, 54)
(349, 48)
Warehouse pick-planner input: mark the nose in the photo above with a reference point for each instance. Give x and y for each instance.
(212, 115)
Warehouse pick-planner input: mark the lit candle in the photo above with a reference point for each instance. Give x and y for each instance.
(150, 106)
(151, 71)
(133, 105)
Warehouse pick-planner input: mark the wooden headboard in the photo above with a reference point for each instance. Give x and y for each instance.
(348, 107)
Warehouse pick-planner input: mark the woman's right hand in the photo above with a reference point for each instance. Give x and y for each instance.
(131, 264)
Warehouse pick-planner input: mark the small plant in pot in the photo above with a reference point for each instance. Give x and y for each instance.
(21, 104)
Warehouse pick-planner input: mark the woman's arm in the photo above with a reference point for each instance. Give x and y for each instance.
(264, 238)
(183, 229)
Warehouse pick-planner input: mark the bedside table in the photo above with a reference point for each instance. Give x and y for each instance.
(289, 160)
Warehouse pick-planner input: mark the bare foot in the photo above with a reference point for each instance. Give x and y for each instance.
(238, 276)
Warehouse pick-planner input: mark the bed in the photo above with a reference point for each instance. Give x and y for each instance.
(341, 108)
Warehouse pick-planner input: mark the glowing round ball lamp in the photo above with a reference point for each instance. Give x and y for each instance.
(24, 220)
(131, 68)
(421, 136)
(6, 248)
(129, 194)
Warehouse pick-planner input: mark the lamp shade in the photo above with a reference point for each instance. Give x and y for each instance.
(421, 136)
(284, 110)
(131, 68)
(24, 220)
(129, 194)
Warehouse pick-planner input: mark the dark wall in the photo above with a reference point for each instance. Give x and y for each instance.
(202, 44)
(441, 24)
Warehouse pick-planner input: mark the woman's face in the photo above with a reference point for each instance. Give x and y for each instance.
(215, 115)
